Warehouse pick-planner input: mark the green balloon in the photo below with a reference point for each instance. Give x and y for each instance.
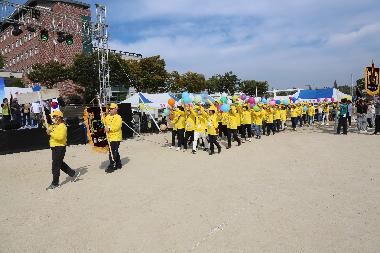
(223, 100)
(256, 108)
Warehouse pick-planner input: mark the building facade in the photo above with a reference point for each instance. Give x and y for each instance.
(22, 50)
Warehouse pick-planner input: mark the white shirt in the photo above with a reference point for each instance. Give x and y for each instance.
(36, 108)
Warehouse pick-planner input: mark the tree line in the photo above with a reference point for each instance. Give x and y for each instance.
(145, 75)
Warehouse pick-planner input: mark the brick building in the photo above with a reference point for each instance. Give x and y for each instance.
(21, 52)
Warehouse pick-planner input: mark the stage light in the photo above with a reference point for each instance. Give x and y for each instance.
(44, 35)
(69, 39)
(16, 31)
(61, 37)
(31, 29)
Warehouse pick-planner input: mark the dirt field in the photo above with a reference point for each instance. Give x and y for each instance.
(309, 191)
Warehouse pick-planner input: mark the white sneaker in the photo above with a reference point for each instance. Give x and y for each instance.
(249, 140)
(171, 147)
(178, 149)
(76, 176)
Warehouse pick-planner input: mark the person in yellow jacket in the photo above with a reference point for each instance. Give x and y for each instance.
(212, 126)
(232, 126)
(277, 118)
(270, 120)
(326, 114)
(179, 122)
(294, 116)
(189, 126)
(58, 142)
(258, 121)
(299, 113)
(6, 112)
(246, 121)
(200, 131)
(311, 114)
(172, 116)
(112, 126)
(283, 116)
(264, 116)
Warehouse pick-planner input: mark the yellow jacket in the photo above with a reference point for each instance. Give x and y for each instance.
(190, 120)
(212, 125)
(232, 120)
(258, 118)
(58, 135)
(293, 112)
(270, 115)
(277, 113)
(224, 118)
(311, 111)
(179, 120)
(246, 118)
(283, 114)
(114, 122)
(264, 114)
(201, 121)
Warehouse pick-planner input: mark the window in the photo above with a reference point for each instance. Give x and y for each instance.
(30, 52)
(17, 43)
(12, 46)
(35, 50)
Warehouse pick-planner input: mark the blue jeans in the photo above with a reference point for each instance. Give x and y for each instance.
(258, 130)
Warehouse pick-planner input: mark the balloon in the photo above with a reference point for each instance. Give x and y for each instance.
(256, 108)
(318, 100)
(251, 106)
(224, 94)
(166, 112)
(187, 100)
(305, 108)
(251, 100)
(278, 102)
(197, 99)
(286, 102)
(257, 100)
(185, 94)
(272, 102)
(223, 100)
(294, 99)
(219, 108)
(225, 108)
(171, 102)
(264, 100)
(243, 97)
(326, 100)
(332, 99)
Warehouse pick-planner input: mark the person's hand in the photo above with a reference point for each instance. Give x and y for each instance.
(106, 129)
(48, 131)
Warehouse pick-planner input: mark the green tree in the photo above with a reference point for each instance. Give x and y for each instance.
(229, 83)
(335, 85)
(2, 62)
(213, 84)
(360, 83)
(150, 74)
(173, 82)
(49, 74)
(248, 87)
(345, 89)
(193, 82)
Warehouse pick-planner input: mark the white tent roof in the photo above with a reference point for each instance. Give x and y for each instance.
(158, 101)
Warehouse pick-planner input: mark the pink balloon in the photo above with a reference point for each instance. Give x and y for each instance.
(251, 100)
(326, 100)
(332, 99)
(273, 102)
(219, 106)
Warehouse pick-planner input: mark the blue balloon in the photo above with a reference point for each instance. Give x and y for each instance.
(305, 108)
(185, 94)
(286, 102)
(278, 102)
(264, 100)
(187, 100)
(294, 99)
(225, 108)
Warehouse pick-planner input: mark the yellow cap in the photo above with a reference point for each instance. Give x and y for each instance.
(113, 106)
(57, 113)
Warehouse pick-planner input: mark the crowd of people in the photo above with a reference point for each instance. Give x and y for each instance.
(21, 116)
(198, 126)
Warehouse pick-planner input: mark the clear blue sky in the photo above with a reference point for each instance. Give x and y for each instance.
(289, 43)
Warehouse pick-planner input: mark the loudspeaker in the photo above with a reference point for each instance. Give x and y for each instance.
(125, 111)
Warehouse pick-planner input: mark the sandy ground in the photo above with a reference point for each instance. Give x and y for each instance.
(309, 191)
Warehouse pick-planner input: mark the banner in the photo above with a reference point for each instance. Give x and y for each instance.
(31, 97)
(371, 81)
(95, 129)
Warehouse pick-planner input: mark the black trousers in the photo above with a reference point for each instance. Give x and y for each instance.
(377, 124)
(26, 119)
(220, 128)
(212, 140)
(180, 137)
(277, 126)
(270, 127)
(174, 134)
(246, 128)
(369, 121)
(115, 152)
(294, 122)
(349, 120)
(233, 133)
(58, 154)
(342, 123)
(5, 122)
(189, 136)
(264, 127)
(300, 120)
